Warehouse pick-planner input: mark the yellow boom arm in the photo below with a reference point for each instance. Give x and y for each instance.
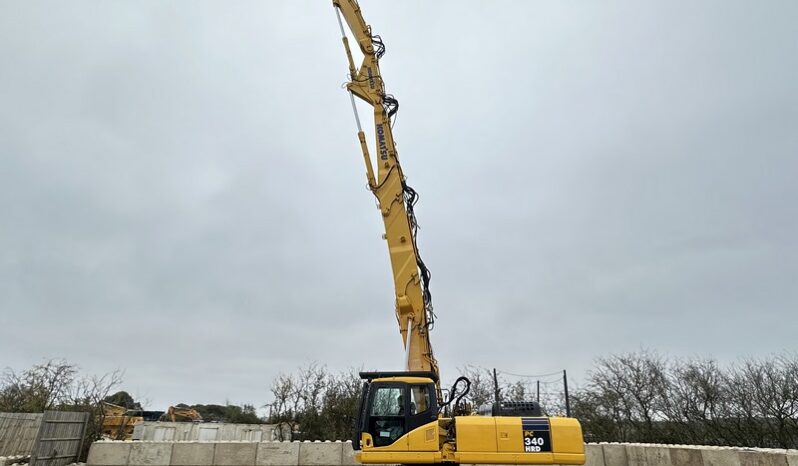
(395, 198)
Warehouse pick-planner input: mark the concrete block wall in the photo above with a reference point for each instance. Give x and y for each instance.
(341, 454)
(631, 454)
(234, 453)
(206, 431)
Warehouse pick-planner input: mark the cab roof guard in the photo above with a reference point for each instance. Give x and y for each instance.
(378, 375)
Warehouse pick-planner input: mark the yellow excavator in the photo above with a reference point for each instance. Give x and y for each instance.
(118, 422)
(403, 416)
(181, 414)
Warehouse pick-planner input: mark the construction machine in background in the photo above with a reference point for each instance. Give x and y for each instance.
(181, 414)
(403, 415)
(118, 422)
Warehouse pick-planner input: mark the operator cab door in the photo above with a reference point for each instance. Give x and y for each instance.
(396, 408)
(386, 413)
(423, 407)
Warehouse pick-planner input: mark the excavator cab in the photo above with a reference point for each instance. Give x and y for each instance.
(392, 404)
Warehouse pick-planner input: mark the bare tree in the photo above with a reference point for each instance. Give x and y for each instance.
(482, 389)
(645, 397)
(284, 405)
(641, 396)
(57, 386)
(695, 400)
(37, 389)
(315, 404)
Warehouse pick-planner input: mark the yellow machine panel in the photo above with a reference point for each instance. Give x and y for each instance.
(476, 434)
(486, 439)
(509, 434)
(386, 457)
(518, 440)
(422, 444)
(424, 438)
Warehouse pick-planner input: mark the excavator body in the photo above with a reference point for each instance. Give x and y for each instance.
(399, 422)
(403, 417)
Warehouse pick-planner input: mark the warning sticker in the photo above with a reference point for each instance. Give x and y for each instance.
(537, 434)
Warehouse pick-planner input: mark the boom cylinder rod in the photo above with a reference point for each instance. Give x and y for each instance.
(354, 110)
(407, 342)
(346, 44)
(361, 136)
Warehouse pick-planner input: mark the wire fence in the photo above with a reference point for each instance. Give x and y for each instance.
(550, 390)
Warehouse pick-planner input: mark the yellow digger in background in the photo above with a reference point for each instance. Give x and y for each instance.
(118, 422)
(181, 414)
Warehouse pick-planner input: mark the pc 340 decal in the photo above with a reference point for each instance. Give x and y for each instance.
(537, 434)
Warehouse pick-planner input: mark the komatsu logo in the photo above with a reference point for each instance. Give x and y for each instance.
(381, 141)
(371, 78)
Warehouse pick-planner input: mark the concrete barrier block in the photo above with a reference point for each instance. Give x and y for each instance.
(614, 454)
(594, 455)
(686, 457)
(720, 457)
(235, 454)
(761, 458)
(792, 457)
(109, 453)
(278, 454)
(636, 455)
(658, 456)
(320, 453)
(150, 453)
(192, 454)
(348, 454)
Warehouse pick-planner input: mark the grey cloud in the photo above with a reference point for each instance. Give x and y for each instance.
(181, 186)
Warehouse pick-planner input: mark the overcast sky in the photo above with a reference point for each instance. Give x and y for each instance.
(182, 193)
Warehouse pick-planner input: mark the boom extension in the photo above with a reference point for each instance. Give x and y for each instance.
(395, 198)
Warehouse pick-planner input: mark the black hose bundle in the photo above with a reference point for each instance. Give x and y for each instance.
(456, 398)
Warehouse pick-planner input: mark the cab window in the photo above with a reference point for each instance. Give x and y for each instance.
(388, 401)
(387, 419)
(419, 399)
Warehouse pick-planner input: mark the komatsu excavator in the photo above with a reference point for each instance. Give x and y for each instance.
(403, 417)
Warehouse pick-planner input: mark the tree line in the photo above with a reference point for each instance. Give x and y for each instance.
(315, 403)
(634, 397)
(647, 397)
(58, 385)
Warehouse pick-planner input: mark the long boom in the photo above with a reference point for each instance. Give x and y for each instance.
(395, 198)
